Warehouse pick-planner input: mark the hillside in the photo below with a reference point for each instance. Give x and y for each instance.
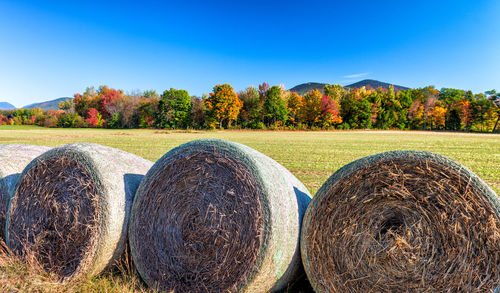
(6, 106)
(301, 89)
(48, 105)
(375, 84)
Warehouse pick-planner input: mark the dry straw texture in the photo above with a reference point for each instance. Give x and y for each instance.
(13, 159)
(403, 221)
(71, 208)
(217, 216)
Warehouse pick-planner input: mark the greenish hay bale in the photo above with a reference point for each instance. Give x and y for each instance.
(13, 159)
(403, 221)
(217, 216)
(71, 208)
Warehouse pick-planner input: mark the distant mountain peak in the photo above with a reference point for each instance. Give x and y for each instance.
(6, 106)
(375, 84)
(48, 105)
(303, 88)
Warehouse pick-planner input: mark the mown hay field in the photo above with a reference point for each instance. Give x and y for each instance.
(311, 156)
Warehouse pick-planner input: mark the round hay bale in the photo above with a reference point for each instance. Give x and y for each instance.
(403, 221)
(13, 159)
(71, 208)
(217, 216)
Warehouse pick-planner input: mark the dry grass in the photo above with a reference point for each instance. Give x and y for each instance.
(27, 275)
(311, 156)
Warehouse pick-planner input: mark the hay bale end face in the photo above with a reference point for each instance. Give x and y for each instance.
(403, 221)
(71, 208)
(13, 159)
(213, 215)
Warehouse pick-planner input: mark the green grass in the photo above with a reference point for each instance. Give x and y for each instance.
(311, 156)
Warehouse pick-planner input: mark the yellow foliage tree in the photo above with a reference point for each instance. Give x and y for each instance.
(295, 102)
(222, 106)
(311, 111)
(438, 116)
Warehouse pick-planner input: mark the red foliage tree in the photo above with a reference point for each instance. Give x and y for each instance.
(94, 118)
(330, 111)
(109, 100)
(465, 113)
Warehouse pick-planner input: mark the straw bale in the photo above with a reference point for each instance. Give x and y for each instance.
(71, 208)
(403, 221)
(217, 216)
(13, 159)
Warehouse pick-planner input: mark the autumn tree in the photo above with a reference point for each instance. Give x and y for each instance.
(67, 105)
(330, 114)
(334, 91)
(438, 117)
(495, 98)
(450, 99)
(295, 102)
(83, 102)
(107, 101)
(94, 118)
(464, 110)
(145, 113)
(311, 111)
(222, 106)
(197, 112)
(110, 101)
(424, 100)
(263, 88)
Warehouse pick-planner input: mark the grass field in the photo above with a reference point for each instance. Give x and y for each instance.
(311, 156)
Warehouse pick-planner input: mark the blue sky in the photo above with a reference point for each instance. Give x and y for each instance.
(50, 49)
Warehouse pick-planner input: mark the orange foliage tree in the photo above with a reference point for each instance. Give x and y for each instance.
(222, 106)
(438, 116)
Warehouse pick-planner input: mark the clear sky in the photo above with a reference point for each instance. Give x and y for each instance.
(50, 49)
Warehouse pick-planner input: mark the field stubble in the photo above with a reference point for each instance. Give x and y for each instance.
(311, 156)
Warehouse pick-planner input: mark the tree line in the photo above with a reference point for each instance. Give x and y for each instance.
(272, 107)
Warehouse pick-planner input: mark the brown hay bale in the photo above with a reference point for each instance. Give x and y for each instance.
(13, 159)
(217, 216)
(71, 208)
(403, 221)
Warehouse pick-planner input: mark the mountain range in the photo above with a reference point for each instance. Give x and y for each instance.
(301, 89)
(48, 105)
(6, 106)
